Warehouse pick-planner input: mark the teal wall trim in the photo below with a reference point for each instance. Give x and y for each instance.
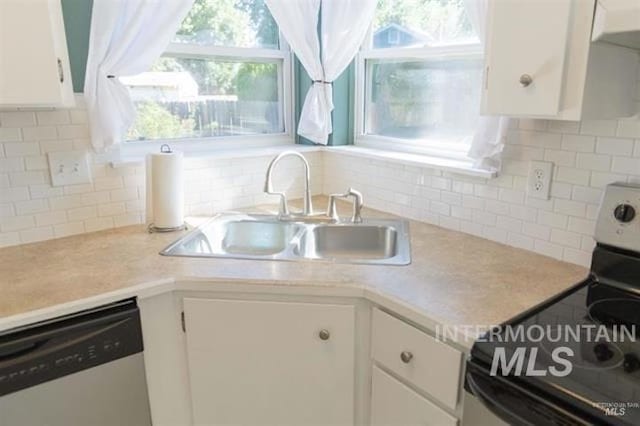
(77, 22)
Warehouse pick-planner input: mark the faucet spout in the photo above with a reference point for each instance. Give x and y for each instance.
(268, 183)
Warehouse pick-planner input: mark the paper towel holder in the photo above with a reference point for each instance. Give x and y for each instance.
(151, 228)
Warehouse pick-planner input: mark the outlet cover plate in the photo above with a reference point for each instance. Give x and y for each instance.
(539, 180)
(69, 168)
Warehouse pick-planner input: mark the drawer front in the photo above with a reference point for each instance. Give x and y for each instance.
(393, 403)
(433, 366)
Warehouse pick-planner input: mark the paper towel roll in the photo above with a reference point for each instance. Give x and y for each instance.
(165, 190)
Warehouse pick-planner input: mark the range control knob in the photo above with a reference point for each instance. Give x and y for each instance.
(624, 213)
(631, 363)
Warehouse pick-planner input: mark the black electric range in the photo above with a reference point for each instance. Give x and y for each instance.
(574, 359)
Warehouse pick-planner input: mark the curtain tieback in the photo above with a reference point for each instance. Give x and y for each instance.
(111, 76)
(321, 82)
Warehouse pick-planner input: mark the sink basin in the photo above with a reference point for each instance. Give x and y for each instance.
(348, 242)
(257, 237)
(248, 236)
(236, 235)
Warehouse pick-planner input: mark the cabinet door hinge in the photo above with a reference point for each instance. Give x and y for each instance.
(183, 322)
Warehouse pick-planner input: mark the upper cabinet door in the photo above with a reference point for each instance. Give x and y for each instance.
(526, 51)
(34, 62)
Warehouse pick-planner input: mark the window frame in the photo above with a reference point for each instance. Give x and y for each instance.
(283, 57)
(426, 147)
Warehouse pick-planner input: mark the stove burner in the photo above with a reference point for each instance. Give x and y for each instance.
(618, 311)
(589, 354)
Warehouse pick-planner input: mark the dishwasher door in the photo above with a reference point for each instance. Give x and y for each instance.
(110, 394)
(84, 369)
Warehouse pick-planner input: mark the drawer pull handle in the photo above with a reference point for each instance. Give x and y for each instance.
(406, 357)
(324, 334)
(526, 80)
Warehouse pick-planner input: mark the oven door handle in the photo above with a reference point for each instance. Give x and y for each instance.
(497, 407)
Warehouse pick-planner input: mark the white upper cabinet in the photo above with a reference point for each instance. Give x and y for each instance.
(617, 22)
(540, 63)
(34, 62)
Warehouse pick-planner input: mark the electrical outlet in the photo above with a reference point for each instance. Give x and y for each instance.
(539, 181)
(69, 168)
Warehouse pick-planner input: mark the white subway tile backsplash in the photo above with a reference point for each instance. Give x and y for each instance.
(27, 178)
(571, 208)
(560, 158)
(573, 176)
(70, 228)
(599, 127)
(17, 119)
(614, 146)
(578, 143)
(36, 234)
(626, 165)
(51, 218)
(629, 128)
(21, 149)
(596, 162)
(53, 117)
(9, 134)
(40, 133)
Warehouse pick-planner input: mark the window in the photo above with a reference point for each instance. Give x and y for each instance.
(225, 74)
(419, 78)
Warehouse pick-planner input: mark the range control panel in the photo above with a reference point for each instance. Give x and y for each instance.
(619, 219)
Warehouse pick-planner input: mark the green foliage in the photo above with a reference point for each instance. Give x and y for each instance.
(257, 82)
(155, 122)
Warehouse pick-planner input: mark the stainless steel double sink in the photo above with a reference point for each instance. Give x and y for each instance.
(265, 237)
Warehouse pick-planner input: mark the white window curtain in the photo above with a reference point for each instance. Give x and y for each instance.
(344, 24)
(490, 135)
(127, 36)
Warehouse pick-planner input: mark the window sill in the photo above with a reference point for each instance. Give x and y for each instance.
(224, 154)
(416, 160)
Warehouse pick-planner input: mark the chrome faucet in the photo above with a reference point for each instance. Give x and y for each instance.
(332, 211)
(268, 185)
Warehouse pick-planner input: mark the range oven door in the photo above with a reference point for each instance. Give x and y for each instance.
(515, 404)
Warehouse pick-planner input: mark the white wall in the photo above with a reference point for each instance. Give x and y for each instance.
(32, 210)
(587, 156)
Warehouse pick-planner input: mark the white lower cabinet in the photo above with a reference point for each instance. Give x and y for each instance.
(266, 362)
(394, 403)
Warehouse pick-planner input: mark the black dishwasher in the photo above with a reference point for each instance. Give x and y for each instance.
(79, 369)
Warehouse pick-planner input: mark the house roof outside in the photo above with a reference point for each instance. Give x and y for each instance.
(406, 36)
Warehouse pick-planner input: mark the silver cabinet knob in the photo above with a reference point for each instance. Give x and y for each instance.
(406, 357)
(526, 80)
(324, 334)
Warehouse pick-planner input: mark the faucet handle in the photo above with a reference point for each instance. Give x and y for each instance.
(332, 211)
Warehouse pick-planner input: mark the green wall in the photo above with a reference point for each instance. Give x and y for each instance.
(77, 22)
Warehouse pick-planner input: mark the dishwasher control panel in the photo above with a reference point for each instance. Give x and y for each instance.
(56, 348)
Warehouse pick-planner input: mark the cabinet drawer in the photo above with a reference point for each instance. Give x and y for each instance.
(393, 403)
(434, 367)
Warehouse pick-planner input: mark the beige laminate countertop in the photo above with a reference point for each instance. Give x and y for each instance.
(454, 278)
